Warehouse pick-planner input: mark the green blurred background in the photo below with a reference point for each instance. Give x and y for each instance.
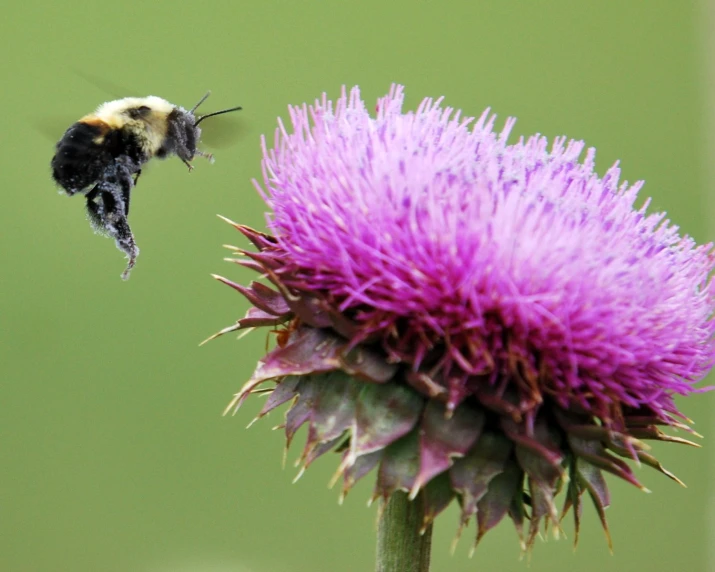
(115, 456)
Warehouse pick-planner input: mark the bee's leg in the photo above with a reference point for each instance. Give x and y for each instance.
(106, 209)
(127, 191)
(208, 156)
(95, 219)
(95, 210)
(126, 172)
(106, 215)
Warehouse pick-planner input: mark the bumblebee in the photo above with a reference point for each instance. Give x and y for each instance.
(102, 154)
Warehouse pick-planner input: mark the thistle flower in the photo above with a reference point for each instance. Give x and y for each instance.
(466, 318)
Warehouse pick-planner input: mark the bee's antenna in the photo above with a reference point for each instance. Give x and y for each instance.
(229, 110)
(200, 101)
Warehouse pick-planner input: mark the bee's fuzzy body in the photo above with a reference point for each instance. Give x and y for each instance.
(138, 128)
(102, 154)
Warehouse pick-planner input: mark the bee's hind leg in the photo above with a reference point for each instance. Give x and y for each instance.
(107, 205)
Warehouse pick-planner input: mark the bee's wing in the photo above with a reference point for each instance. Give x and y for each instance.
(223, 131)
(103, 84)
(51, 128)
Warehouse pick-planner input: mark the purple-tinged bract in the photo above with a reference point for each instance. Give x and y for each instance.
(523, 317)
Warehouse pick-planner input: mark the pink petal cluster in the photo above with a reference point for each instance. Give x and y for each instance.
(515, 262)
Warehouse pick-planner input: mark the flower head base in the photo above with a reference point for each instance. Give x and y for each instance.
(475, 319)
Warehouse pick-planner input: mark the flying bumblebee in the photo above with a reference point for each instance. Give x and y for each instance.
(102, 154)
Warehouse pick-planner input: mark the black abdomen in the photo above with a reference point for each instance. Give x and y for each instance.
(84, 153)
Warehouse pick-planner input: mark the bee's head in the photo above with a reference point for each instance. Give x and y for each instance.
(184, 131)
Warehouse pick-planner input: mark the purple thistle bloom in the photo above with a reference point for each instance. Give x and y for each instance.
(516, 318)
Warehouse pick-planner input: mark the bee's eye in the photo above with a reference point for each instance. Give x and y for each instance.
(137, 112)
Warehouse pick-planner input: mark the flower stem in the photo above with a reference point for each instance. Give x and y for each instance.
(400, 546)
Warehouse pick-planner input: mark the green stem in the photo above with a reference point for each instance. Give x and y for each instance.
(400, 546)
